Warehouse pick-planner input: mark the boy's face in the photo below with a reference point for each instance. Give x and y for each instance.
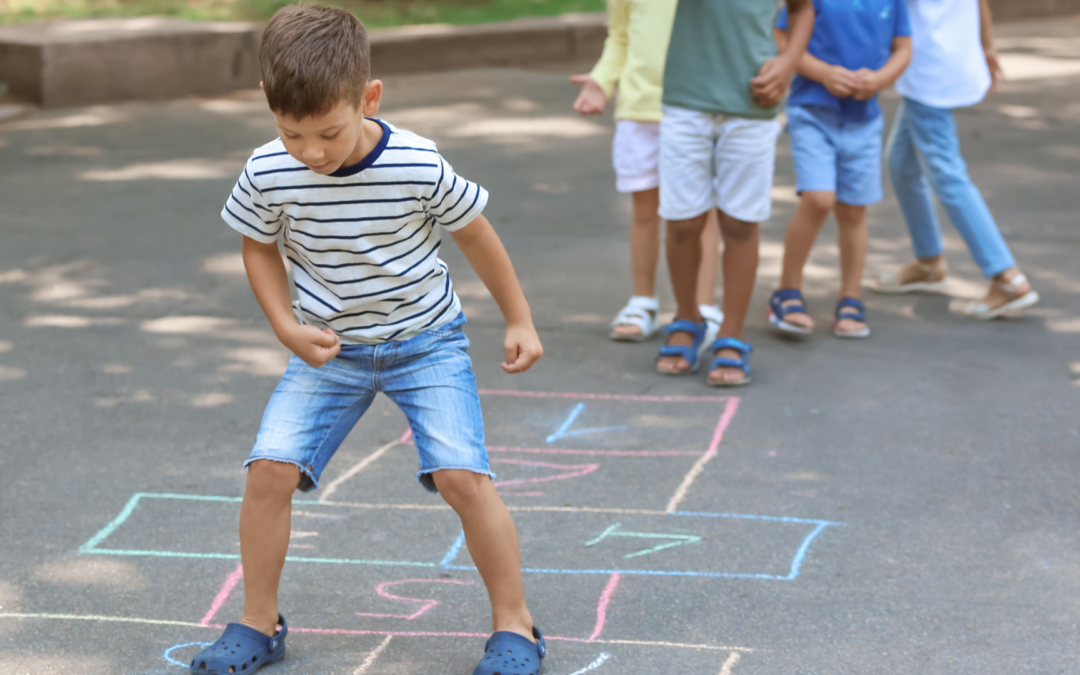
(337, 138)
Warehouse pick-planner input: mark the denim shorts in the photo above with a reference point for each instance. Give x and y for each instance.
(428, 376)
(835, 156)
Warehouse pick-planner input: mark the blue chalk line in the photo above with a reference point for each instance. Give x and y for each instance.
(167, 654)
(564, 432)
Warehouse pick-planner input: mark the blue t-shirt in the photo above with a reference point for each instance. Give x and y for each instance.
(854, 34)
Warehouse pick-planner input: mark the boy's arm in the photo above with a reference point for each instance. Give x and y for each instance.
(598, 86)
(774, 78)
(270, 282)
(986, 32)
(488, 257)
(838, 80)
(870, 82)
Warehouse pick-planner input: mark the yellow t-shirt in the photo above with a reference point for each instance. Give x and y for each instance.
(634, 55)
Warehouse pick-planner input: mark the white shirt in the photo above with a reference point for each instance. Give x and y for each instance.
(362, 241)
(948, 67)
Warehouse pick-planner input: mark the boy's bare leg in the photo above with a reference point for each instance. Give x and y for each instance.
(493, 545)
(644, 249)
(814, 208)
(684, 259)
(265, 518)
(854, 239)
(710, 260)
(740, 262)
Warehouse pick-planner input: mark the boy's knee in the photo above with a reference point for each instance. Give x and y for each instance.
(459, 486)
(736, 230)
(269, 478)
(684, 231)
(820, 202)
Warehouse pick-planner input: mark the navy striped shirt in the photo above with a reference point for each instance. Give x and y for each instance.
(363, 241)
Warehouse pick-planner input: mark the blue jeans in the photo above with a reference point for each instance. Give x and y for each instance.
(428, 376)
(924, 155)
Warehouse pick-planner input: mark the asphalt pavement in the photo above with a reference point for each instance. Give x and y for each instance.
(903, 504)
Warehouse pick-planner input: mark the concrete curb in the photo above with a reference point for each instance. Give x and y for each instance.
(99, 61)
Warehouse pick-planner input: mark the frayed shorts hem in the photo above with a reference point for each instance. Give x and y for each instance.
(308, 480)
(427, 481)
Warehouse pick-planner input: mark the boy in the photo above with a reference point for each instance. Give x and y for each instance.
(355, 203)
(633, 58)
(835, 123)
(723, 85)
(954, 65)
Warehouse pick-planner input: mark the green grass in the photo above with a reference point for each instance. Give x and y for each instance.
(374, 13)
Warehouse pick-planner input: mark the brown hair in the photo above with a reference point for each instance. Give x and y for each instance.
(312, 58)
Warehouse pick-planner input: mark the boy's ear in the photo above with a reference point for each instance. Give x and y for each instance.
(372, 98)
(261, 85)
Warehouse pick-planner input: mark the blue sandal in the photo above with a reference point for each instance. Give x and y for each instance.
(743, 348)
(690, 354)
(859, 314)
(777, 310)
(241, 650)
(508, 653)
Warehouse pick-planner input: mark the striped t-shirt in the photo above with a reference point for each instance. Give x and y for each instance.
(362, 241)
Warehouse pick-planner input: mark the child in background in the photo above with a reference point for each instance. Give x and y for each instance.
(633, 58)
(359, 206)
(723, 85)
(950, 69)
(835, 123)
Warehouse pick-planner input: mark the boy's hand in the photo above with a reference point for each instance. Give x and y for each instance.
(841, 82)
(867, 84)
(313, 346)
(774, 78)
(997, 73)
(591, 100)
(522, 346)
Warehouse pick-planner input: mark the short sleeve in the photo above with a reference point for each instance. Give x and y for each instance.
(901, 20)
(248, 212)
(781, 21)
(455, 202)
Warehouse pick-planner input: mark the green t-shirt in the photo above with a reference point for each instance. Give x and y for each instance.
(717, 47)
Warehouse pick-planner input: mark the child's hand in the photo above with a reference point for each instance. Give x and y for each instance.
(867, 84)
(591, 100)
(841, 82)
(997, 73)
(522, 346)
(774, 78)
(313, 346)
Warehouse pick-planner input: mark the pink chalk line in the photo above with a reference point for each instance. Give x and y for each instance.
(570, 471)
(699, 466)
(609, 453)
(601, 607)
(223, 594)
(406, 437)
(605, 397)
(427, 603)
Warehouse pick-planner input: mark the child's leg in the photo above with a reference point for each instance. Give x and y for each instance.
(710, 260)
(814, 208)
(683, 244)
(853, 238)
(493, 545)
(644, 250)
(740, 263)
(265, 516)
(913, 192)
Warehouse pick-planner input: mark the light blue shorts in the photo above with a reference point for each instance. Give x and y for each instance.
(835, 156)
(428, 376)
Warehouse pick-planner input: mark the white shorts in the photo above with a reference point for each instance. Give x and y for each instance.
(636, 155)
(714, 160)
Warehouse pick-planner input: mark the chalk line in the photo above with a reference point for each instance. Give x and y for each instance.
(167, 654)
(570, 471)
(223, 594)
(602, 605)
(452, 553)
(609, 453)
(699, 466)
(605, 397)
(332, 487)
(604, 656)
(370, 660)
(732, 659)
(427, 603)
(564, 429)
(333, 631)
